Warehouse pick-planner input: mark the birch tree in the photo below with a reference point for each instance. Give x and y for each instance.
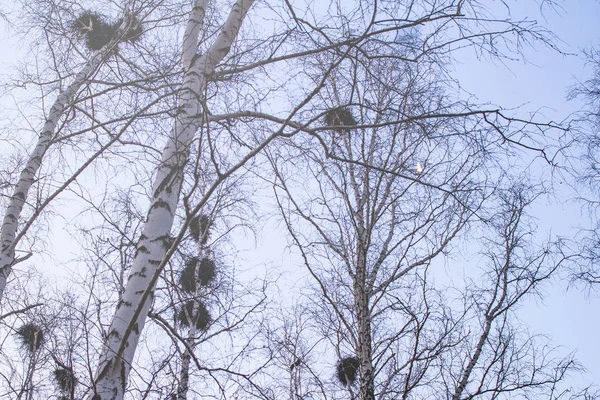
(60, 125)
(369, 235)
(248, 77)
(395, 175)
(500, 358)
(375, 221)
(131, 313)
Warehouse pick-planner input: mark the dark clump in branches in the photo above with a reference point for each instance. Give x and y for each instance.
(295, 363)
(200, 318)
(32, 336)
(199, 228)
(346, 370)
(98, 32)
(206, 271)
(86, 22)
(187, 280)
(197, 272)
(100, 37)
(339, 119)
(65, 379)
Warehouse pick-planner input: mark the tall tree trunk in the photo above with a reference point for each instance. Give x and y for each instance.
(362, 297)
(362, 290)
(10, 224)
(184, 375)
(365, 351)
(124, 333)
(8, 233)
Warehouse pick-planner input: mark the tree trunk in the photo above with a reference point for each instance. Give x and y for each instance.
(361, 303)
(366, 378)
(8, 234)
(186, 357)
(124, 333)
(184, 375)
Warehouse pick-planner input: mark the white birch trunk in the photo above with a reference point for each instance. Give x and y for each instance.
(186, 360)
(362, 290)
(362, 309)
(124, 333)
(10, 223)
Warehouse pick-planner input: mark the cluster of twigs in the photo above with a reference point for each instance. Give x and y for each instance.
(98, 32)
(198, 272)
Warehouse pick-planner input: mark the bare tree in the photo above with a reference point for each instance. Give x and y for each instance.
(415, 339)
(61, 125)
(395, 175)
(501, 357)
(192, 116)
(586, 169)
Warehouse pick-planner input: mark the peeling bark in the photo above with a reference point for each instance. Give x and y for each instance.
(124, 333)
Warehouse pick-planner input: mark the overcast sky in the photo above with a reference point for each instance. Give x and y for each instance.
(569, 317)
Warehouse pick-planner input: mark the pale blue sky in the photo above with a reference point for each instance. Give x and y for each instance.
(568, 317)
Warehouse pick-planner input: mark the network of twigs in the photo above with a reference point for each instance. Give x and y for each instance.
(65, 379)
(346, 370)
(98, 32)
(31, 336)
(200, 319)
(339, 119)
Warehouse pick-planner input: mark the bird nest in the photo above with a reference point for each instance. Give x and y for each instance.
(346, 370)
(339, 119)
(65, 379)
(187, 317)
(197, 272)
(32, 336)
(206, 271)
(98, 32)
(95, 28)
